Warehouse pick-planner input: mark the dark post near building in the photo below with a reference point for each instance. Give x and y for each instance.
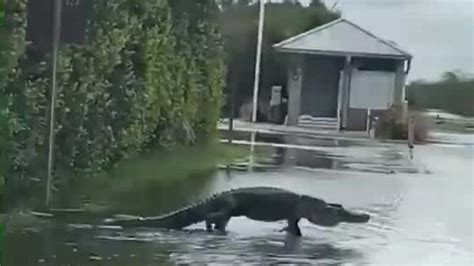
(50, 23)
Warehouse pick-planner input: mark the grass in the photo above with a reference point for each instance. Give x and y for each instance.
(152, 183)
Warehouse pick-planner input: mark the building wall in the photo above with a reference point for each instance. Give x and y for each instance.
(319, 94)
(313, 86)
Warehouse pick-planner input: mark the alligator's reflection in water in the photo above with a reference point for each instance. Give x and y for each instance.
(60, 246)
(198, 246)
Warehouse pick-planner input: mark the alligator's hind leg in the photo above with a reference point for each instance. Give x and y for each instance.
(222, 223)
(219, 219)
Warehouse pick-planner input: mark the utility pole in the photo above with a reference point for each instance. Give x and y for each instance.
(55, 46)
(232, 107)
(258, 58)
(261, 20)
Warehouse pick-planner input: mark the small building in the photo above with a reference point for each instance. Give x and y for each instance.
(340, 75)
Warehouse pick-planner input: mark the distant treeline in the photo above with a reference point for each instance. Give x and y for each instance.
(454, 93)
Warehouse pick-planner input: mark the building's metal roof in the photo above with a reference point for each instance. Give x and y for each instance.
(341, 37)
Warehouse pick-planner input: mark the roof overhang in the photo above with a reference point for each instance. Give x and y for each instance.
(341, 54)
(340, 34)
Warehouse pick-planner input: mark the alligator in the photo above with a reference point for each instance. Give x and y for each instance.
(257, 203)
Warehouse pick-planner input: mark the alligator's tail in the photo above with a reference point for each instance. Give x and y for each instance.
(175, 220)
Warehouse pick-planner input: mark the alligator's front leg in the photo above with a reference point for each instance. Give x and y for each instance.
(208, 225)
(293, 227)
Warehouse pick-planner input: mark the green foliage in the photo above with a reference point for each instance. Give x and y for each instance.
(8, 55)
(239, 24)
(4, 134)
(2, 12)
(148, 75)
(12, 35)
(453, 94)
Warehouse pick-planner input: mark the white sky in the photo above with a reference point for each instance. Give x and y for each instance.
(439, 33)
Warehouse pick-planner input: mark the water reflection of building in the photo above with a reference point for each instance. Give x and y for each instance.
(312, 158)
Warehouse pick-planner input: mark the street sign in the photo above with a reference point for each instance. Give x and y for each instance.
(40, 23)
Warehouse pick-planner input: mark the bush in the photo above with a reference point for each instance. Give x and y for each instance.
(4, 127)
(391, 125)
(422, 127)
(150, 74)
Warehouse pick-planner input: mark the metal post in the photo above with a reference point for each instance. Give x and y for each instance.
(55, 46)
(252, 150)
(346, 90)
(339, 99)
(368, 125)
(261, 20)
(411, 135)
(232, 108)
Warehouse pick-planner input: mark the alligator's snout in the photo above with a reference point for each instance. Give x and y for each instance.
(120, 220)
(351, 217)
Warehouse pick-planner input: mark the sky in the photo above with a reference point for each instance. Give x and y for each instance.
(438, 33)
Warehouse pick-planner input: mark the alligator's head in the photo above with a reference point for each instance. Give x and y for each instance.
(328, 214)
(347, 216)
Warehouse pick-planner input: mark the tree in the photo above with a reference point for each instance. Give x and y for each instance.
(4, 125)
(450, 76)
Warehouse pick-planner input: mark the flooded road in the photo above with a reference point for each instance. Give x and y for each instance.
(422, 213)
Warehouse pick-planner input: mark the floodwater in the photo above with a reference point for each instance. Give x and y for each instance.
(421, 208)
